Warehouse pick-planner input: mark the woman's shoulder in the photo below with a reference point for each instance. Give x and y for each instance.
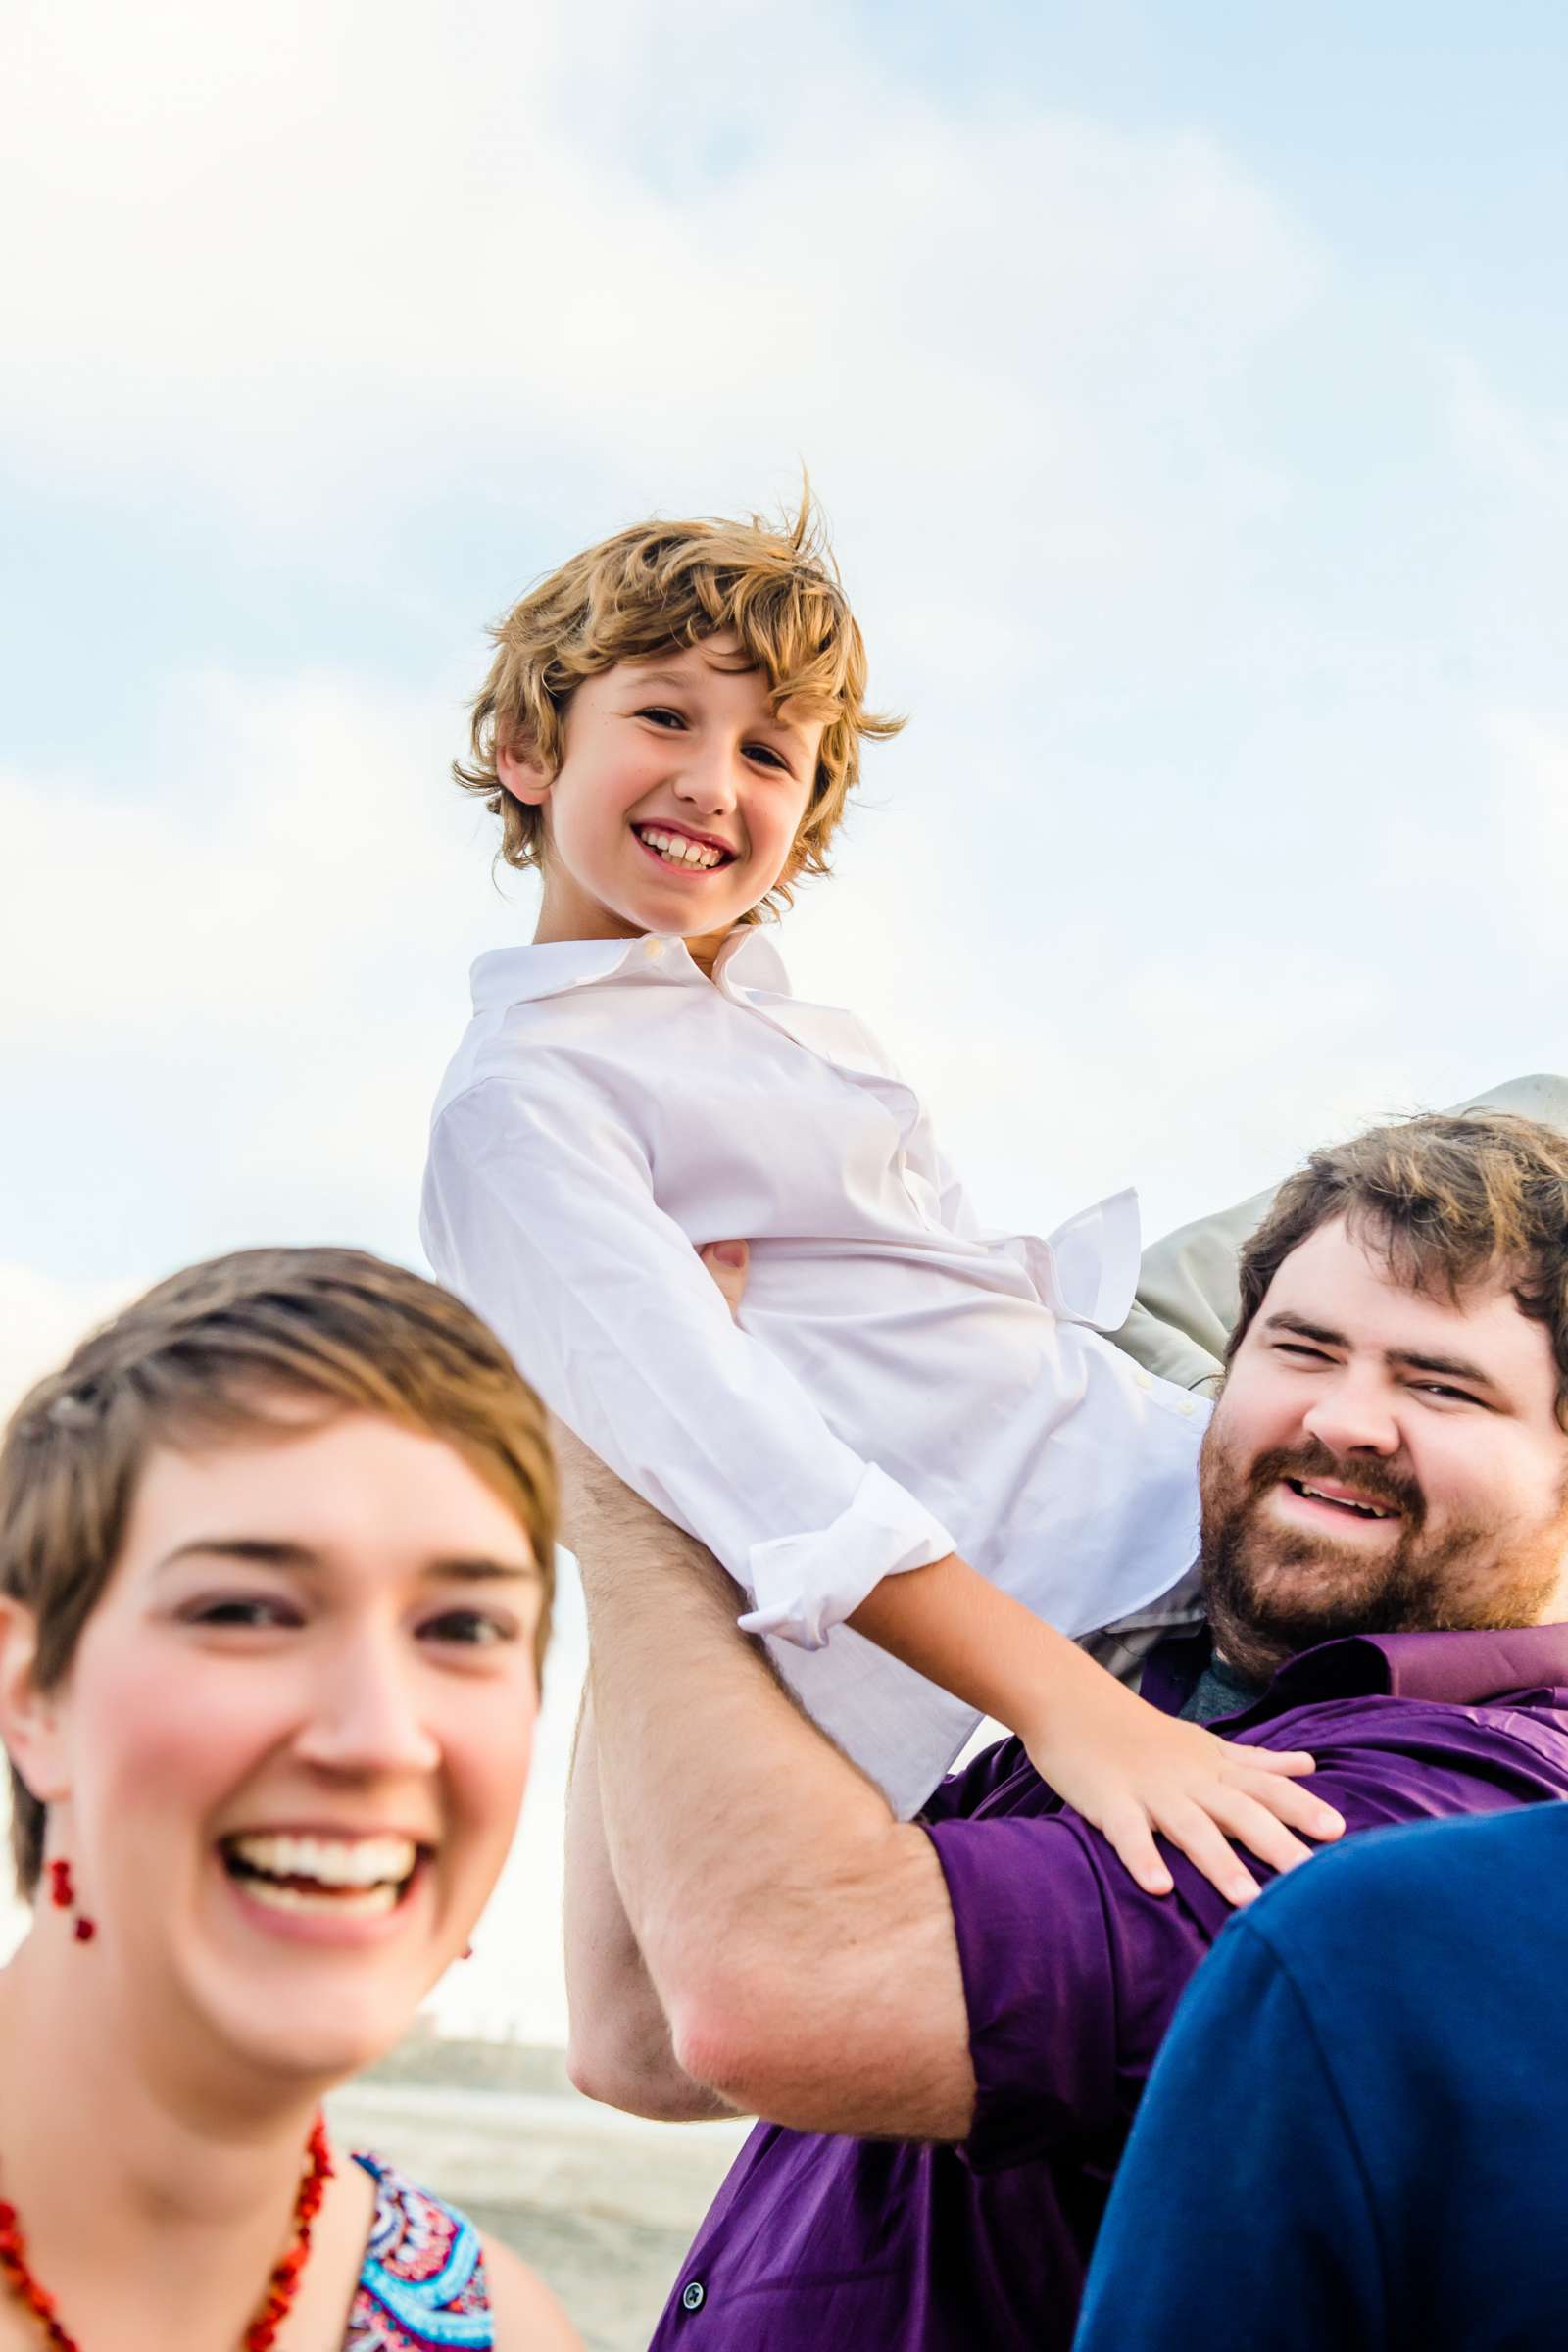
(524, 2314)
(429, 2273)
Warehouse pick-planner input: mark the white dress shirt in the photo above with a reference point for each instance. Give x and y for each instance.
(901, 1384)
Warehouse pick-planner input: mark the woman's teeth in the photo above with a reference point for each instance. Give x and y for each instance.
(676, 850)
(353, 1876)
(278, 1894)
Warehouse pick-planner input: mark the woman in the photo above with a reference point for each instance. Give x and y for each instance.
(275, 1553)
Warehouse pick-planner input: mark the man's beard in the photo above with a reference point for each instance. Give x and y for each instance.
(1273, 1590)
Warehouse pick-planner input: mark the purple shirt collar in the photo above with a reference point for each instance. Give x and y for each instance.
(1462, 1669)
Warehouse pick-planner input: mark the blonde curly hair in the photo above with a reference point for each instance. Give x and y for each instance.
(662, 586)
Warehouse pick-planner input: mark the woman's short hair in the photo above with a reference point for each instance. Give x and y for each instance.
(209, 1353)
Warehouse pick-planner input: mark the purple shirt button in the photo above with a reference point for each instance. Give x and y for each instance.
(693, 2295)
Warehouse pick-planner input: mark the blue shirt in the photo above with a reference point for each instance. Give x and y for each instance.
(1071, 1974)
(1356, 2137)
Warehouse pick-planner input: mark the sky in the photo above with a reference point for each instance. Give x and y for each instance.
(1184, 391)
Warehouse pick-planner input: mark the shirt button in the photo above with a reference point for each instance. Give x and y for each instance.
(693, 2295)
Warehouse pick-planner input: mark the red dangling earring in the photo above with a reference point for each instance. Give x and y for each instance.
(62, 1894)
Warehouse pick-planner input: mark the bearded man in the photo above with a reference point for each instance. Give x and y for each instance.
(946, 2024)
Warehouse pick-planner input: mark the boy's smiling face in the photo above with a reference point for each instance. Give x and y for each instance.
(677, 801)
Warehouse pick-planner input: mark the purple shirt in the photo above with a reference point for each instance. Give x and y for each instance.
(1071, 1974)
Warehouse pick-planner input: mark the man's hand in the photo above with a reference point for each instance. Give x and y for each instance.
(729, 1263)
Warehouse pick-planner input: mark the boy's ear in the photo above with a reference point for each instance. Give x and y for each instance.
(30, 1718)
(519, 771)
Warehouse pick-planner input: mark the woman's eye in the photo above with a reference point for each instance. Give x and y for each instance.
(469, 1629)
(247, 1609)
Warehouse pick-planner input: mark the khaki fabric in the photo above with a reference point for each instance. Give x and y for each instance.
(1188, 1295)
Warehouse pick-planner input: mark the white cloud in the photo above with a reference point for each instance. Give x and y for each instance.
(250, 975)
(1529, 787)
(299, 831)
(1518, 446)
(42, 1319)
(305, 268)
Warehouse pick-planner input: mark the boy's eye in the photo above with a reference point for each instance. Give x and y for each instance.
(768, 756)
(662, 716)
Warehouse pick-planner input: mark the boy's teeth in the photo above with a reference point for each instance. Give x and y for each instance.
(677, 850)
(351, 1863)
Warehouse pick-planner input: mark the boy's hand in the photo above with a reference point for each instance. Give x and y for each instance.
(1134, 1771)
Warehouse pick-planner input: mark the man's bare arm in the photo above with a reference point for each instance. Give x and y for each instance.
(799, 1940)
(619, 2051)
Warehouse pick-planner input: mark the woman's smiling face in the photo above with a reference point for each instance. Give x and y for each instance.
(287, 1761)
(678, 799)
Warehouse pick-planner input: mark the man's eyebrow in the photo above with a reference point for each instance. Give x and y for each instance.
(267, 1551)
(1283, 1320)
(1452, 1367)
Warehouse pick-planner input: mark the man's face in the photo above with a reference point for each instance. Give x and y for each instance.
(1378, 1461)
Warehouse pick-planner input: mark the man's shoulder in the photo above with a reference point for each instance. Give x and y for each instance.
(1398, 1882)
(1516, 1743)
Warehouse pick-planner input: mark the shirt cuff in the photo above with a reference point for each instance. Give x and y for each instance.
(805, 1584)
(1037, 1952)
(1086, 1272)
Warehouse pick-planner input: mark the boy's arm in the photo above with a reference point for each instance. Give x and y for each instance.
(539, 1209)
(1120, 1763)
(1123, 1765)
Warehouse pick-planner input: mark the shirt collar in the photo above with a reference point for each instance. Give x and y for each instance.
(520, 976)
(1462, 1669)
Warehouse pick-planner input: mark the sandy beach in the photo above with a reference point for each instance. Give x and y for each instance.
(604, 2205)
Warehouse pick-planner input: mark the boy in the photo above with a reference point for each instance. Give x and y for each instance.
(669, 732)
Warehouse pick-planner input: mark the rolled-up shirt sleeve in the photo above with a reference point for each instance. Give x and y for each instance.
(1070, 1975)
(541, 1213)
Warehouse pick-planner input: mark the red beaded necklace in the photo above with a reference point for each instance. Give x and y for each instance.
(282, 2286)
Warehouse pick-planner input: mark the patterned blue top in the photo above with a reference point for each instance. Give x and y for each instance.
(423, 2287)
